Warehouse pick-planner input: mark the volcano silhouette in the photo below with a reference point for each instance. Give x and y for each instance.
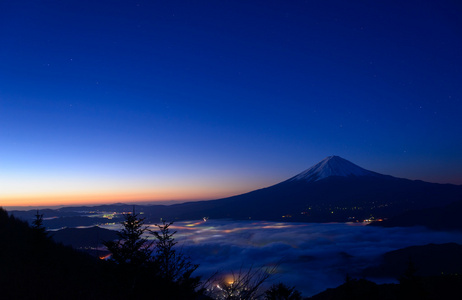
(334, 189)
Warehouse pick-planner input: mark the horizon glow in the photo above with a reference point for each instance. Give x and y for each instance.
(151, 101)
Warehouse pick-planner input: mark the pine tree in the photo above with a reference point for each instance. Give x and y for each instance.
(132, 248)
(172, 265)
(37, 225)
(174, 268)
(167, 271)
(131, 255)
(38, 222)
(282, 292)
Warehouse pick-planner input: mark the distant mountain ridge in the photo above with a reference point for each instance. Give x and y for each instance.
(333, 190)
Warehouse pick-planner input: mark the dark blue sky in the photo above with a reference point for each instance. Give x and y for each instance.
(202, 99)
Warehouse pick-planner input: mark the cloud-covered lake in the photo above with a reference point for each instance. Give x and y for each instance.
(310, 256)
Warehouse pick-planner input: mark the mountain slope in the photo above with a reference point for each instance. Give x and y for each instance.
(436, 218)
(84, 239)
(332, 190)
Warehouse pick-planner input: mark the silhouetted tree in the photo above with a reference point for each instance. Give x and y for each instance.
(131, 255)
(39, 233)
(131, 248)
(348, 288)
(139, 263)
(282, 292)
(173, 267)
(37, 224)
(410, 285)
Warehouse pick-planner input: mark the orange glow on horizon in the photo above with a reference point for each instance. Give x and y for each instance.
(54, 199)
(35, 190)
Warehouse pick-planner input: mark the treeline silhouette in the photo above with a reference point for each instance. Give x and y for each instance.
(410, 286)
(33, 266)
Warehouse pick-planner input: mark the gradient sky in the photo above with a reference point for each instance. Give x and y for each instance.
(104, 101)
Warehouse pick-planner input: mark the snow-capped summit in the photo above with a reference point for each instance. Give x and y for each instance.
(332, 166)
(327, 192)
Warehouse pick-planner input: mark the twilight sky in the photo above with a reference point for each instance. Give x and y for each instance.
(105, 101)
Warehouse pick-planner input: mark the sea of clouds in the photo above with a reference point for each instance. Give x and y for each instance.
(310, 256)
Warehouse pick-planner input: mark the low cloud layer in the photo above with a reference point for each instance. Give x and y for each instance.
(310, 256)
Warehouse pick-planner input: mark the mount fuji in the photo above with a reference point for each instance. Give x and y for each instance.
(333, 190)
(332, 166)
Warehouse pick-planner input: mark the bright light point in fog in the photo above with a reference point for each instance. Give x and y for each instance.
(310, 256)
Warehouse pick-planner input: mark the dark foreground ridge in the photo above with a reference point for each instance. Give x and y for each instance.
(424, 272)
(33, 266)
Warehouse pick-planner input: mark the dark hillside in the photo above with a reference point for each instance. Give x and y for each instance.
(34, 267)
(440, 287)
(428, 260)
(437, 218)
(84, 237)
